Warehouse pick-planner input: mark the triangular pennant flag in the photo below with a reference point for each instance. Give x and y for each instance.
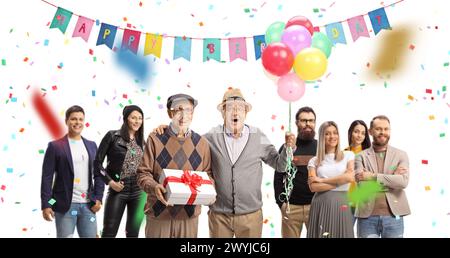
(83, 28)
(259, 42)
(182, 48)
(358, 27)
(238, 48)
(335, 33)
(211, 49)
(153, 45)
(107, 35)
(61, 19)
(379, 20)
(130, 40)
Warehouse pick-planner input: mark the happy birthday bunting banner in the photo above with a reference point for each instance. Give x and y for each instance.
(358, 27)
(153, 45)
(107, 35)
(259, 43)
(335, 33)
(83, 28)
(238, 48)
(182, 48)
(130, 40)
(211, 49)
(379, 20)
(61, 19)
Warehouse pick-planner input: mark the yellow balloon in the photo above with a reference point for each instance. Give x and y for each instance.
(310, 64)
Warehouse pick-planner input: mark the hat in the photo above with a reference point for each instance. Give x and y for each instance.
(128, 109)
(233, 94)
(179, 97)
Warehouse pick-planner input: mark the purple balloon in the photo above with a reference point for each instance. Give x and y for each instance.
(290, 87)
(296, 37)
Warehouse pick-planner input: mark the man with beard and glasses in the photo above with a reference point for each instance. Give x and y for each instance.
(301, 196)
(382, 216)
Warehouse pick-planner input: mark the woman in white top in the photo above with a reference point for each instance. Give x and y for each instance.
(329, 175)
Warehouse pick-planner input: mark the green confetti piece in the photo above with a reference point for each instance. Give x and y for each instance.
(130, 102)
(446, 64)
(158, 98)
(316, 10)
(247, 10)
(3, 62)
(442, 135)
(393, 168)
(442, 191)
(271, 225)
(136, 81)
(120, 105)
(367, 190)
(444, 88)
(17, 203)
(41, 151)
(133, 152)
(362, 84)
(52, 201)
(117, 176)
(268, 183)
(11, 30)
(95, 59)
(385, 84)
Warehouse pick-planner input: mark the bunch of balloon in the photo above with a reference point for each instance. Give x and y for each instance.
(294, 46)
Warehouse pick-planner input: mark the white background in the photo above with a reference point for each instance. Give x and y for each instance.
(339, 97)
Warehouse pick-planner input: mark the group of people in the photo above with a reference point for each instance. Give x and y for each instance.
(74, 175)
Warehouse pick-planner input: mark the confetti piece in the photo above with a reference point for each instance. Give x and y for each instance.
(393, 168)
(411, 46)
(431, 117)
(316, 10)
(200, 24)
(410, 97)
(280, 7)
(22, 130)
(54, 87)
(446, 64)
(92, 219)
(274, 117)
(268, 183)
(83, 195)
(433, 224)
(41, 151)
(52, 201)
(9, 170)
(3, 187)
(344, 207)
(442, 135)
(73, 213)
(210, 7)
(24, 229)
(397, 217)
(87, 124)
(265, 221)
(14, 99)
(125, 96)
(117, 176)
(246, 10)
(76, 180)
(46, 42)
(325, 234)
(427, 188)
(167, 61)
(425, 162)
(93, 93)
(91, 52)
(3, 62)
(429, 91)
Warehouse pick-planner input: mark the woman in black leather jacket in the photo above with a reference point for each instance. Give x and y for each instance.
(124, 150)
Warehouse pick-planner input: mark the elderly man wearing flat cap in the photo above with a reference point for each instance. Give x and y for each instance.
(177, 147)
(237, 153)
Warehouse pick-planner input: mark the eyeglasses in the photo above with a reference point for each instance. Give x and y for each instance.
(186, 111)
(304, 121)
(238, 107)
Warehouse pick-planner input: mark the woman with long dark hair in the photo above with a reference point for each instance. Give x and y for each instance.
(124, 150)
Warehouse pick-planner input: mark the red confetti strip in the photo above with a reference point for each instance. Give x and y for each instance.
(47, 116)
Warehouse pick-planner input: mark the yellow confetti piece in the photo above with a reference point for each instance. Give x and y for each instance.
(431, 117)
(410, 97)
(427, 188)
(66, 42)
(76, 180)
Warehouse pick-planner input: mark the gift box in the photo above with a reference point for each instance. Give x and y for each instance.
(187, 187)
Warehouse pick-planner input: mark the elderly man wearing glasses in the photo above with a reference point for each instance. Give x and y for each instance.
(177, 147)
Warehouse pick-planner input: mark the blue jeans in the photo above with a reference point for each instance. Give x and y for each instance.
(384, 226)
(78, 215)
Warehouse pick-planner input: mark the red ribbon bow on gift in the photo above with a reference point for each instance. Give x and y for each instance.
(190, 179)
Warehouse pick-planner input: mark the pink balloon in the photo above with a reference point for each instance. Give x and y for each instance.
(296, 37)
(290, 87)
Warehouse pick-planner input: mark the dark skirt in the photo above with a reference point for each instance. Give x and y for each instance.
(330, 216)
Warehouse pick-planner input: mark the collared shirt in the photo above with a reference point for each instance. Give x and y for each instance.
(174, 131)
(235, 146)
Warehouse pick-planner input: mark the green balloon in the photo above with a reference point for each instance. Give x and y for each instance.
(274, 32)
(322, 42)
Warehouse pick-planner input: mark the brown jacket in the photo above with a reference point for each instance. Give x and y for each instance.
(395, 184)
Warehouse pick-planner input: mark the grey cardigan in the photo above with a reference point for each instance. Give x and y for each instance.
(238, 185)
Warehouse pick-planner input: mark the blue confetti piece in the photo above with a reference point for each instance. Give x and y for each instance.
(92, 219)
(93, 93)
(22, 175)
(13, 136)
(280, 7)
(46, 42)
(211, 7)
(74, 213)
(13, 99)
(97, 22)
(433, 224)
(446, 121)
(442, 191)
(9, 170)
(5, 148)
(423, 68)
(397, 217)
(34, 210)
